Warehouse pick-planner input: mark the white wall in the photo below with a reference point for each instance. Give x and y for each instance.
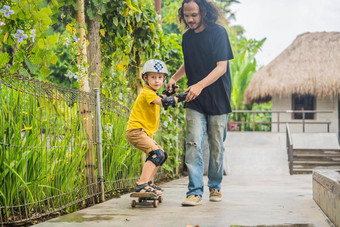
(285, 103)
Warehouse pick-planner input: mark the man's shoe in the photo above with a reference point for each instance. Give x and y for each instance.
(215, 195)
(192, 200)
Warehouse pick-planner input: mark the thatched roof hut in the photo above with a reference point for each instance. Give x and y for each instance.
(310, 65)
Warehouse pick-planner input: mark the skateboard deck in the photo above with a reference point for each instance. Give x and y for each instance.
(146, 198)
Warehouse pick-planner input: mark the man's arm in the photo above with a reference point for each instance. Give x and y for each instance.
(215, 74)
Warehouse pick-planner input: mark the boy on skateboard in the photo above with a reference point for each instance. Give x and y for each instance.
(144, 120)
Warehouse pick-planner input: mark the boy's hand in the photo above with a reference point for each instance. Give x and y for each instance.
(168, 92)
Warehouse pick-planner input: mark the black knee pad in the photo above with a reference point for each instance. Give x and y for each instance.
(158, 160)
(165, 158)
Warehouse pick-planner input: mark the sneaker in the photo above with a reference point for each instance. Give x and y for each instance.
(192, 200)
(215, 195)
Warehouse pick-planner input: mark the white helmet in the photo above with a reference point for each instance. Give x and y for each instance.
(155, 66)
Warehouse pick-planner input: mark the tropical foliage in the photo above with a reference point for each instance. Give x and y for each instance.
(242, 67)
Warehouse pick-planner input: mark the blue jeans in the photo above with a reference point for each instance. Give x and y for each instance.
(216, 127)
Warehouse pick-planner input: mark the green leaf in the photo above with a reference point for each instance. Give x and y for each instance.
(90, 13)
(54, 59)
(129, 4)
(103, 9)
(31, 67)
(45, 71)
(115, 21)
(4, 59)
(41, 43)
(19, 57)
(96, 2)
(152, 27)
(52, 39)
(46, 11)
(138, 17)
(14, 68)
(35, 59)
(23, 72)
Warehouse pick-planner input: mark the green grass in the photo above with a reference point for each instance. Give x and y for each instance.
(42, 149)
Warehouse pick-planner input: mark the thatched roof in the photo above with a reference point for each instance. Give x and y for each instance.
(310, 65)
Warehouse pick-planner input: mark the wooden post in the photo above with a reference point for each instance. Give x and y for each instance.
(158, 8)
(85, 99)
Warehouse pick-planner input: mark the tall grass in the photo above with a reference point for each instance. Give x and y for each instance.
(41, 153)
(121, 161)
(42, 149)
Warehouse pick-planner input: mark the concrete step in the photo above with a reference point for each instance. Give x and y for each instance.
(307, 156)
(317, 157)
(316, 151)
(310, 170)
(317, 163)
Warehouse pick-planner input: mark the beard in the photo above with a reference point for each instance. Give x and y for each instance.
(197, 26)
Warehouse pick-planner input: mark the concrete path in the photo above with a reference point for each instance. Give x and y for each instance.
(257, 191)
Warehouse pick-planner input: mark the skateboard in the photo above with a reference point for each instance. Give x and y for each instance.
(145, 198)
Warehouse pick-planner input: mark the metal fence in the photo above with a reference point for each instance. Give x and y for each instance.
(263, 118)
(57, 145)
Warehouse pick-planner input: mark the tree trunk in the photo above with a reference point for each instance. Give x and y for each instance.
(93, 51)
(158, 8)
(82, 57)
(94, 61)
(85, 109)
(139, 81)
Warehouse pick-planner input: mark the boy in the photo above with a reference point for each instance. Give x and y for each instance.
(144, 120)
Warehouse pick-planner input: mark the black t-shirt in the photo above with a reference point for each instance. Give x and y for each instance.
(201, 53)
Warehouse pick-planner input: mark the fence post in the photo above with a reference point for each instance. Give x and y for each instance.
(99, 146)
(253, 121)
(289, 145)
(291, 163)
(328, 127)
(303, 121)
(278, 121)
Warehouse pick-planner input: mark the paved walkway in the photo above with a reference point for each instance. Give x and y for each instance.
(257, 191)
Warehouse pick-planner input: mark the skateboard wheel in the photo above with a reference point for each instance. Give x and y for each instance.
(133, 203)
(155, 203)
(160, 199)
(140, 199)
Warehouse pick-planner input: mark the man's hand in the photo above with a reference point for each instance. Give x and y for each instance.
(181, 97)
(193, 91)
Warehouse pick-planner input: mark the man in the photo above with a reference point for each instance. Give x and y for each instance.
(206, 50)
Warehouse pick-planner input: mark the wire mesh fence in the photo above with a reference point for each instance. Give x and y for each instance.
(51, 148)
